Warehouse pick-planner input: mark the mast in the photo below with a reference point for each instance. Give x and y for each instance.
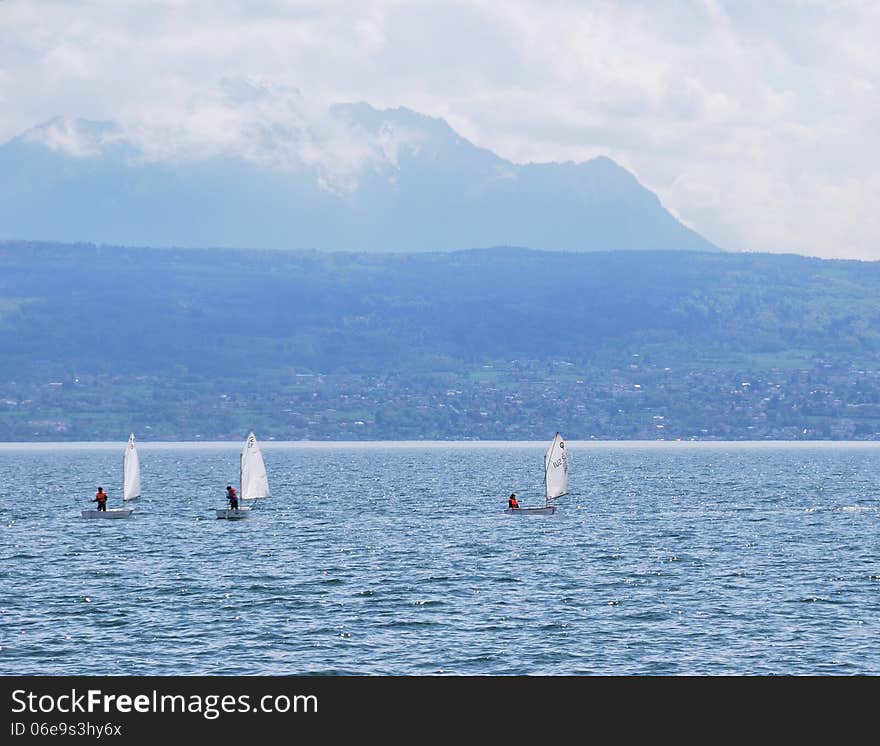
(546, 486)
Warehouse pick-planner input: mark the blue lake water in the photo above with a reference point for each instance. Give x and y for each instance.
(680, 559)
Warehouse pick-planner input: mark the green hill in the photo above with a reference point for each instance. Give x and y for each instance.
(499, 343)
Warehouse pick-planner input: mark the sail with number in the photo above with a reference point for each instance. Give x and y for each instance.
(254, 482)
(131, 471)
(556, 469)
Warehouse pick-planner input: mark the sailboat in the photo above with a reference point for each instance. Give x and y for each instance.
(555, 478)
(131, 484)
(252, 478)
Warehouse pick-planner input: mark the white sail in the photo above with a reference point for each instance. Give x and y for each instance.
(556, 468)
(131, 471)
(254, 482)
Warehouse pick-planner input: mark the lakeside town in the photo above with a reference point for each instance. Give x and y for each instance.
(503, 401)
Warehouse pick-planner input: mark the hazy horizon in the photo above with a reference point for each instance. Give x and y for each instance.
(270, 445)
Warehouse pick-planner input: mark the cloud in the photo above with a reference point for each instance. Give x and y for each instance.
(74, 137)
(753, 121)
(274, 127)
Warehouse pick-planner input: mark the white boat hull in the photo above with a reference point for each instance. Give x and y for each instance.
(233, 515)
(111, 513)
(546, 510)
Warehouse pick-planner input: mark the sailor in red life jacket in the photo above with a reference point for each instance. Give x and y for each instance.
(232, 496)
(101, 499)
(512, 503)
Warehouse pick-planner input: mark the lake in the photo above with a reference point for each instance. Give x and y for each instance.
(664, 558)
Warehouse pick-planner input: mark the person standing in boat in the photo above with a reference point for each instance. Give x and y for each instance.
(101, 499)
(512, 503)
(232, 497)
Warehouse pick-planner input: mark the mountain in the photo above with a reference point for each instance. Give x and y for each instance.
(501, 343)
(358, 179)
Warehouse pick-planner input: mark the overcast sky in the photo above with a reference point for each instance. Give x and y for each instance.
(755, 122)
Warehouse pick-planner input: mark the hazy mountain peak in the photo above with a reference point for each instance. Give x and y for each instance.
(372, 119)
(271, 172)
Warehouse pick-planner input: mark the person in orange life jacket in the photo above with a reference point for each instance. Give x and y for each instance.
(101, 499)
(232, 497)
(511, 502)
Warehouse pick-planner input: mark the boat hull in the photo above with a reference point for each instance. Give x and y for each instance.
(546, 510)
(108, 514)
(233, 515)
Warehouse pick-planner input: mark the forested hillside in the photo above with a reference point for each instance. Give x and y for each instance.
(489, 343)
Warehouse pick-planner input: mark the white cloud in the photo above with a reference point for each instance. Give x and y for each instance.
(65, 135)
(754, 122)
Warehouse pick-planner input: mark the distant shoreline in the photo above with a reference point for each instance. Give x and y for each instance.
(270, 445)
